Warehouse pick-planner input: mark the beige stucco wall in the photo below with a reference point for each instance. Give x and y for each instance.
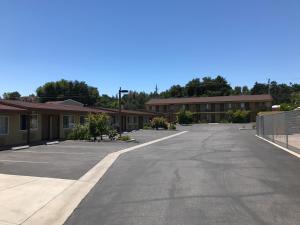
(63, 133)
(15, 135)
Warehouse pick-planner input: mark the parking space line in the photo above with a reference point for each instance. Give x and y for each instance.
(21, 161)
(44, 152)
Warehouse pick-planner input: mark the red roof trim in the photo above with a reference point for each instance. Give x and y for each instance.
(10, 108)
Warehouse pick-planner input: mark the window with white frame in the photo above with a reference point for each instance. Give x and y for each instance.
(68, 121)
(33, 121)
(3, 125)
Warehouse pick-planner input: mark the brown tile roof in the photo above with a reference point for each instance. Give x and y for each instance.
(10, 108)
(50, 107)
(131, 112)
(215, 99)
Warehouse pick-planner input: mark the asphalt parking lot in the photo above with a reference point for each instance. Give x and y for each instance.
(68, 159)
(214, 174)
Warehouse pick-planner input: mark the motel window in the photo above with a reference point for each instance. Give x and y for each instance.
(68, 121)
(3, 125)
(33, 122)
(82, 120)
(134, 119)
(242, 105)
(157, 108)
(229, 106)
(206, 106)
(165, 108)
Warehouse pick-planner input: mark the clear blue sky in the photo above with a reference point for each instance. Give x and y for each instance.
(137, 44)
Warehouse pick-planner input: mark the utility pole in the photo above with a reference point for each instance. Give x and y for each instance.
(120, 113)
(269, 87)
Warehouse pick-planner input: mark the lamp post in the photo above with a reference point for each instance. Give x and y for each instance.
(120, 116)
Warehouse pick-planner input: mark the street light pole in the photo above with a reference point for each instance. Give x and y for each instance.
(120, 113)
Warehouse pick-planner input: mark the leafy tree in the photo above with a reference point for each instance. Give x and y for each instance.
(63, 89)
(259, 88)
(177, 91)
(237, 90)
(98, 125)
(108, 102)
(12, 95)
(135, 100)
(280, 92)
(295, 98)
(216, 87)
(245, 90)
(193, 87)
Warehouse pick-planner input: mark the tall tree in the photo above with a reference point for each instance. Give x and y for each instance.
(193, 87)
(12, 95)
(245, 90)
(107, 101)
(135, 100)
(63, 89)
(259, 88)
(216, 87)
(177, 91)
(237, 90)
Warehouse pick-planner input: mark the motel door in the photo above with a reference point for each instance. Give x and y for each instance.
(141, 122)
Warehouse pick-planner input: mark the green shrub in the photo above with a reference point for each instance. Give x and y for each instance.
(98, 125)
(79, 132)
(287, 107)
(125, 138)
(112, 133)
(238, 116)
(147, 126)
(172, 126)
(159, 122)
(185, 117)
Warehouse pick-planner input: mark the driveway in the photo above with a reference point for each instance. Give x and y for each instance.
(43, 184)
(214, 174)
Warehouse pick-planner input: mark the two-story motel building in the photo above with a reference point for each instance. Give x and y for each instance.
(210, 109)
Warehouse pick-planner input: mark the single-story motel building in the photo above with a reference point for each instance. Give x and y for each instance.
(210, 109)
(54, 120)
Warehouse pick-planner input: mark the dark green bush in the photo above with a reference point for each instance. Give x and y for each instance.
(185, 117)
(238, 116)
